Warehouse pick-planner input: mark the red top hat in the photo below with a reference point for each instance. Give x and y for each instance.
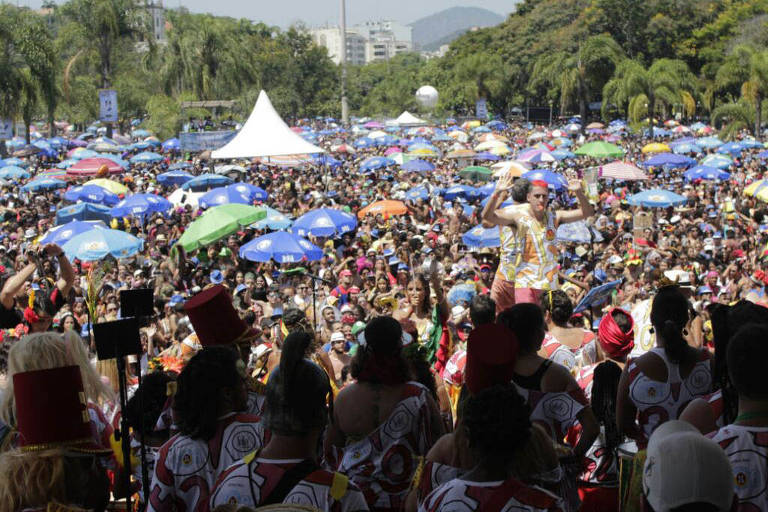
(51, 411)
(214, 317)
(491, 355)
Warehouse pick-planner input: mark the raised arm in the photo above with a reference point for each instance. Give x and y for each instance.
(491, 215)
(15, 282)
(585, 209)
(67, 273)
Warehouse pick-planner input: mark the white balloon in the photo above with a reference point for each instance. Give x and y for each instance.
(427, 96)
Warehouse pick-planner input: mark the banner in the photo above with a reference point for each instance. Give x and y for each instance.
(6, 129)
(202, 141)
(481, 109)
(108, 105)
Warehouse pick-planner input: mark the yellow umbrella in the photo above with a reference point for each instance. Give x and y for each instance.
(470, 124)
(112, 186)
(423, 152)
(656, 147)
(460, 153)
(492, 136)
(458, 135)
(500, 150)
(762, 195)
(513, 167)
(754, 187)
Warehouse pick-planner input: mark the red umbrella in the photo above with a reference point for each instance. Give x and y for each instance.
(622, 171)
(94, 166)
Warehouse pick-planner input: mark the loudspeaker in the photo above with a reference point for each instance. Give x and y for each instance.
(138, 302)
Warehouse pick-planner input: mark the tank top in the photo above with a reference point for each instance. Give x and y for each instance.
(536, 265)
(532, 381)
(571, 358)
(656, 401)
(508, 250)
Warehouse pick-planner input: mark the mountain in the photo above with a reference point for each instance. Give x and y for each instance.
(443, 27)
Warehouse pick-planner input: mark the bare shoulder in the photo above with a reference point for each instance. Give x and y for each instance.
(558, 379)
(442, 451)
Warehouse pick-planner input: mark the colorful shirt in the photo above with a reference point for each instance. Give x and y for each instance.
(536, 265)
(433, 475)
(555, 412)
(644, 338)
(656, 401)
(571, 358)
(502, 496)
(747, 449)
(508, 250)
(250, 481)
(383, 463)
(186, 469)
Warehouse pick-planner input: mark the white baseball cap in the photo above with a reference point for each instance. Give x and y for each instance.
(684, 467)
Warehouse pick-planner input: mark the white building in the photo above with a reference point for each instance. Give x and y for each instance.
(157, 17)
(330, 38)
(367, 42)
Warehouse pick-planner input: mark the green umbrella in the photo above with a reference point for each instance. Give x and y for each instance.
(219, 222)
(476, 172)
(600, 149)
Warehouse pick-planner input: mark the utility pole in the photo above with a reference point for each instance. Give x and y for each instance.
(344, 106)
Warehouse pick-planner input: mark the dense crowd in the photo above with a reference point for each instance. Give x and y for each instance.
(408, 364)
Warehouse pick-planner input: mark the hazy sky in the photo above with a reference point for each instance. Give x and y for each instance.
(319, 12)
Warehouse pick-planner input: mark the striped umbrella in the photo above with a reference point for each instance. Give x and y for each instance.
(59, 174)
(622, 171)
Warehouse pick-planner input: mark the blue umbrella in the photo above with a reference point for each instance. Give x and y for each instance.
(719, 161)
(172, 144)
(175, 177)
(180, 165)
(281, 246)
(563, 154)
(12, 172)
(750, 143)
(83, 211)
(507, 202)
(95, 244)
(146, 157)
(142, 144)
(762, 155)
(44, 184)
(85, 153)
(58, 142)
(460, 190)
(91, 194)
(140, 205)
(415, 193)
(324, 222)
(577, 232)
(709, 142)
(731, 148)
(242, 193)
(417, 166)
(669, 160)
(18, 162)
(480, 237)
(485, 155)
(364, 142)
(487, 189)
(61, 234)
(65, 164)
(656, 198)
(273, 220)
(686, 147)
(207, 181)
(327, 160)
(140, 133)
(702, 172)
(597, 296)
(376, 162)
(552, 178)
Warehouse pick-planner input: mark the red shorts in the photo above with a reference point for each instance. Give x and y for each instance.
(502, 293)
(531, 295)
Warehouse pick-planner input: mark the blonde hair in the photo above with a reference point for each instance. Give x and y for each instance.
(32, 479)
(46, 350)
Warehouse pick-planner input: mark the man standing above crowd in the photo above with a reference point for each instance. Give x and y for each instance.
(536, 262)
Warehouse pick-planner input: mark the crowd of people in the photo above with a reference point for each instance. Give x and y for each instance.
(406, 368)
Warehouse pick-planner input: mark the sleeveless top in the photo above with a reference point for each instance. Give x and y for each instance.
(644, 338)
(511, 495)
(571, 358)
(533, 381)
(508, 250)
(536, 265)
(382, 464)
(747, 449)
(656, 401)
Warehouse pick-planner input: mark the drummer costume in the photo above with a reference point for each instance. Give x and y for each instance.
(186, 469)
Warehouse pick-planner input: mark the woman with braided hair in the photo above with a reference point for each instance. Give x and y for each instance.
(286, 469)
(572, 347)
(498, 429)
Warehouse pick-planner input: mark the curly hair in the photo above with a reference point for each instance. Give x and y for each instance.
(152, 393)
(196, 403)
(32, 479)
(497, 422)
(424, 307)
(558, 305)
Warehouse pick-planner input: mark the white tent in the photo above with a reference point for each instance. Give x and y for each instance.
(408, 119)
(265, 134)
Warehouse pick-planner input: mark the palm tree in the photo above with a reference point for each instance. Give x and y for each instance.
(735, 116)
(665, 83)
(574, 76)
(747, 69)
